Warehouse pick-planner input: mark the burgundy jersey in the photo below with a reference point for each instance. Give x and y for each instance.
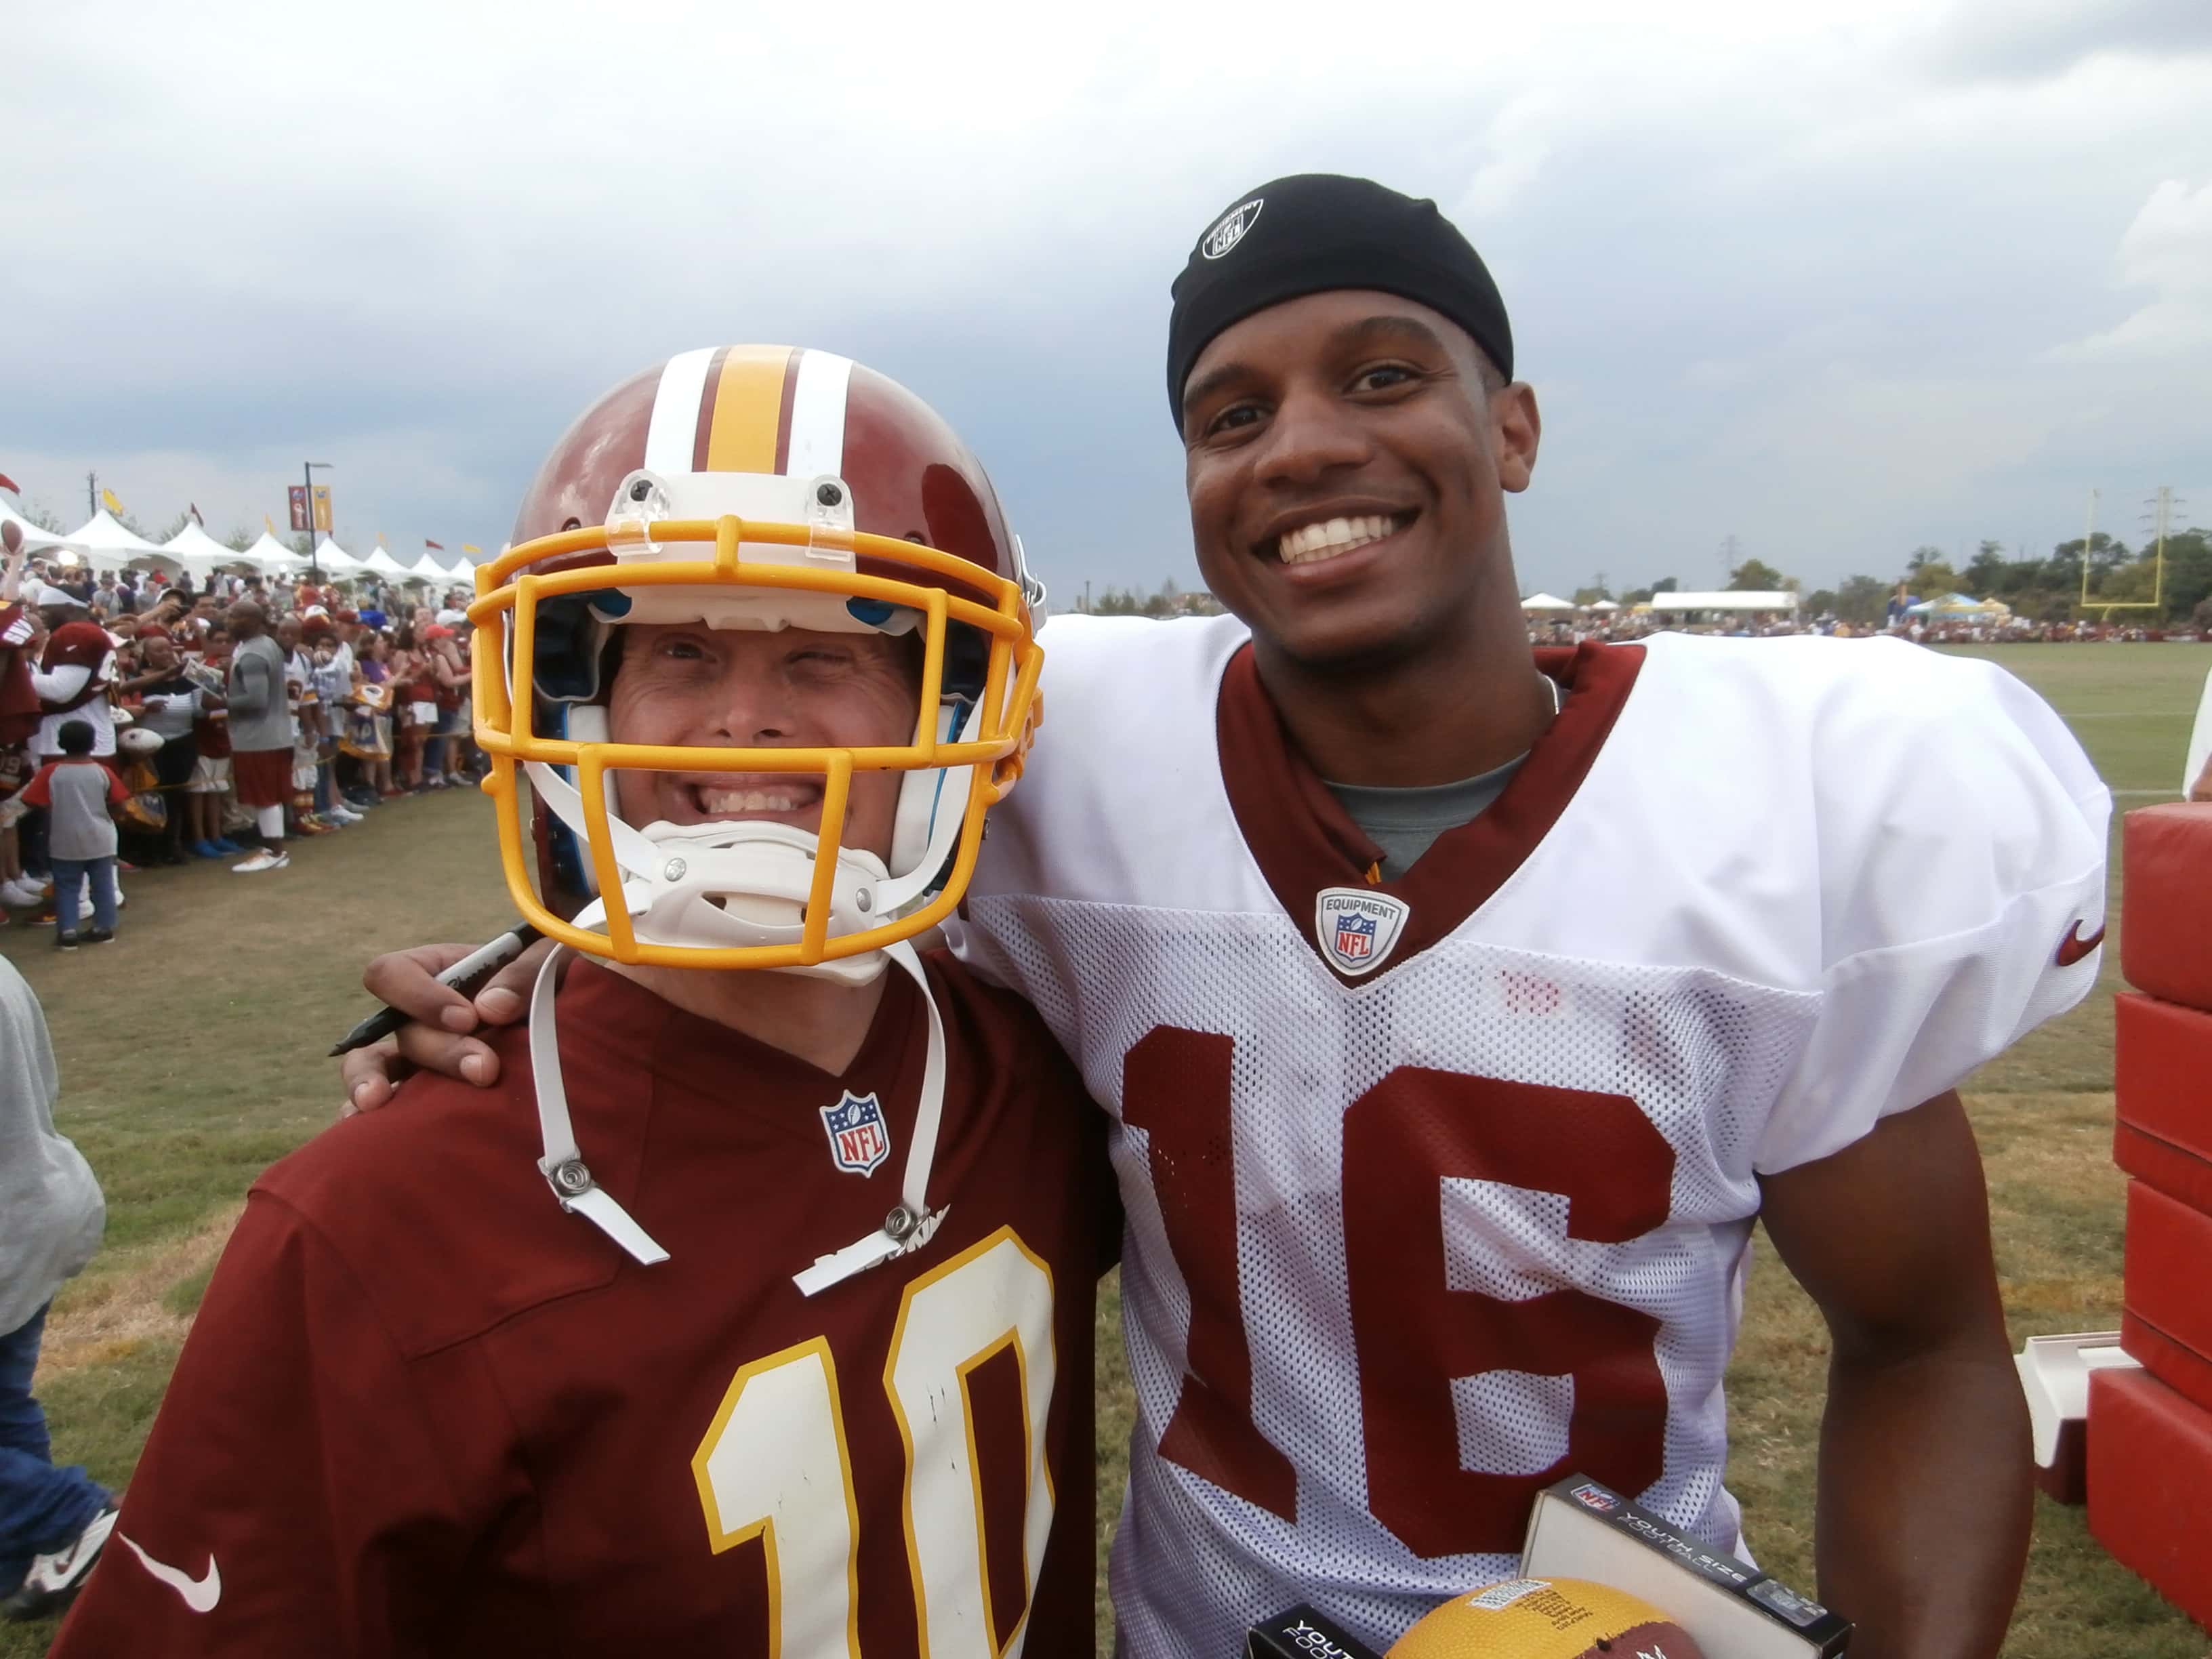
(424, 1411)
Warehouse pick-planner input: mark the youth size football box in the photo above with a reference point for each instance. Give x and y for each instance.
(2150, 1468)
(1302, 1633)
(2166, 1312)
(2162, 1083)
(2166, 903)
(2054, 1375)
(1583, 1529)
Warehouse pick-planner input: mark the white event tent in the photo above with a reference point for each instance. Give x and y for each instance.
(1546, 602)
(1684, 604)
(380, 563)
(272, 558)
(429, 570)
(108, 546)
(199, 552)
(38, 540)
(334, 560)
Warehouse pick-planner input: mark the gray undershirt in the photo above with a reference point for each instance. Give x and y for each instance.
(1405, 822)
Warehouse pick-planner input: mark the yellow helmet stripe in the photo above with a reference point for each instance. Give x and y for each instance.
(743, 409)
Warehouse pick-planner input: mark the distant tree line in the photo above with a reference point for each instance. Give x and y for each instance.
(2041, 588)
(1165, 600)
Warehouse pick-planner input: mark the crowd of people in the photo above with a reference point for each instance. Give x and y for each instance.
(227, 717)
(1619, 629)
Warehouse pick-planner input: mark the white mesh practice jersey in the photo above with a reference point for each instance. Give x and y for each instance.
(1439, 1188)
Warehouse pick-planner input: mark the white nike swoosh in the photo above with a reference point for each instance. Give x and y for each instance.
(200, 1593)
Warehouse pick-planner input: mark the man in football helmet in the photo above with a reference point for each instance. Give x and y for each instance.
(1460, 1014)
(798, 1360)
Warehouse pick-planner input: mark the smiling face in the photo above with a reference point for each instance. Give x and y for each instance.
(688, 684)
(1346, 455)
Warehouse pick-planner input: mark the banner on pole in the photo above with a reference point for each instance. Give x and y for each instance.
(323, 508)
(297, 495)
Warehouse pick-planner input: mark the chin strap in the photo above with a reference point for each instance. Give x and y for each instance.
(563, 1165)
(911, 1224)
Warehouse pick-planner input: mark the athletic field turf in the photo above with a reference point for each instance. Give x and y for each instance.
(191, 1056)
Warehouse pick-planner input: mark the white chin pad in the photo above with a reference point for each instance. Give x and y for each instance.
(744, 883)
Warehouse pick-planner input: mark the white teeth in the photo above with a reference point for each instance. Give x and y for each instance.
(718, 801)
(1326, 541)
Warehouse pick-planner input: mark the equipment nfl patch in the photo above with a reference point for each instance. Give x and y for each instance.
(1358, 930)
(859, 1140)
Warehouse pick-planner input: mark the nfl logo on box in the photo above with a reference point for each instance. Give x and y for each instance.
(1358, 930)
(859, 1140)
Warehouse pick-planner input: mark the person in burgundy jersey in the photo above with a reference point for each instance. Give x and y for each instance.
(800, 1361)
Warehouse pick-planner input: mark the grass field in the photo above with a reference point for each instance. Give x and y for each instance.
(191, 1058)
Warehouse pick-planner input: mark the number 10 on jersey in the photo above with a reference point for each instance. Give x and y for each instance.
(775, 1464)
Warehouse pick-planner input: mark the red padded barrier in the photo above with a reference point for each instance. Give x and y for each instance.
(2165, 902)
(2150, 1468)
(2168, 1298)
(2163, 1085)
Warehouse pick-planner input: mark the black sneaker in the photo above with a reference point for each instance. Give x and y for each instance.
(65, 941)
(54, 1580)
(100, 936)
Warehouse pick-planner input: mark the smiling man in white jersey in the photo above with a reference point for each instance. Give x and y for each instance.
(1458, 1014)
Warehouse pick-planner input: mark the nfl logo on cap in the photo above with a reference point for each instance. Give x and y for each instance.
(1229, 228)
(1358, 930)
(859, 1140)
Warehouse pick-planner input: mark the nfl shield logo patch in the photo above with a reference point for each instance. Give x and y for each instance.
(1357, 929)
(859, 1140)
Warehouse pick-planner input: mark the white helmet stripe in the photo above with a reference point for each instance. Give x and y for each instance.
(817, 417)
(673, 431)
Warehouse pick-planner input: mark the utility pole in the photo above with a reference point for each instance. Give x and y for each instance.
(91, 494)
(1729, 549)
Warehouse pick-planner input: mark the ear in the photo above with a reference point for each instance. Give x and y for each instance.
(1515, 428)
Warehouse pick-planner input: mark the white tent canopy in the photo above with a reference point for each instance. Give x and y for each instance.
(1783, 600)
(272, 558)
(334, 560)
(1606, 605)
(38, 540)
(199, 552)
(1546, 602)
(1959, 604)
(430, 569)
(380, 562)
(108, 546)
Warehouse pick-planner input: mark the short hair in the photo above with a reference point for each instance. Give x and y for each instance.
(76, 737)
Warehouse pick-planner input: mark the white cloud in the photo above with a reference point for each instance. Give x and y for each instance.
(2168, 249)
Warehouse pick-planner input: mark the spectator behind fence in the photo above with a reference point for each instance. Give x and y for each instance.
(76, 792)
(52, 1521)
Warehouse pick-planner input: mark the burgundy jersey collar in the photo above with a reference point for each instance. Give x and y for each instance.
(1314, 856)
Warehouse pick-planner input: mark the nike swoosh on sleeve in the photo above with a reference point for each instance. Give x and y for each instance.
(200, 1593)
(2074, 947)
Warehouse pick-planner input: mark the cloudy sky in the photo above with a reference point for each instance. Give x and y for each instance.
(1835, 279)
